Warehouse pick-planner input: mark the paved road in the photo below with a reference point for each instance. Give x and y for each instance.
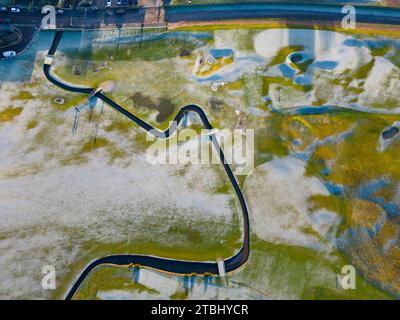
(169, 265)
(298, 11)
(79, 19)
(292, 11)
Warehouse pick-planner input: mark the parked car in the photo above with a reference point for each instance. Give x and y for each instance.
(3, 9)
(15, 10)
(60, 11)
(9, 54)
(109, 3)
(119, 2)
(120, 11)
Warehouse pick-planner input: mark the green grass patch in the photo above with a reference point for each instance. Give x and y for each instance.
(354, 90)
(268, 140)
(363, 71)
(319, 201)
(283, 53)
(225, 188)
(10, 113)
(319, 102)
(121, 124)
(92, 145)
(285, 82)
(22, 95)
(380, 51)
(32, 124)
(303, 66)
(179, 295)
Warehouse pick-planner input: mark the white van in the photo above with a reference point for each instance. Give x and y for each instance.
(9, 54)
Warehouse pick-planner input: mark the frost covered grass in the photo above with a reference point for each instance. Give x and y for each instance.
(277, 194)
(113, 215)
(71, 200)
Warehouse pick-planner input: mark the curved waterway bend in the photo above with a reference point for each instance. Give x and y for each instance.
(162, 264)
